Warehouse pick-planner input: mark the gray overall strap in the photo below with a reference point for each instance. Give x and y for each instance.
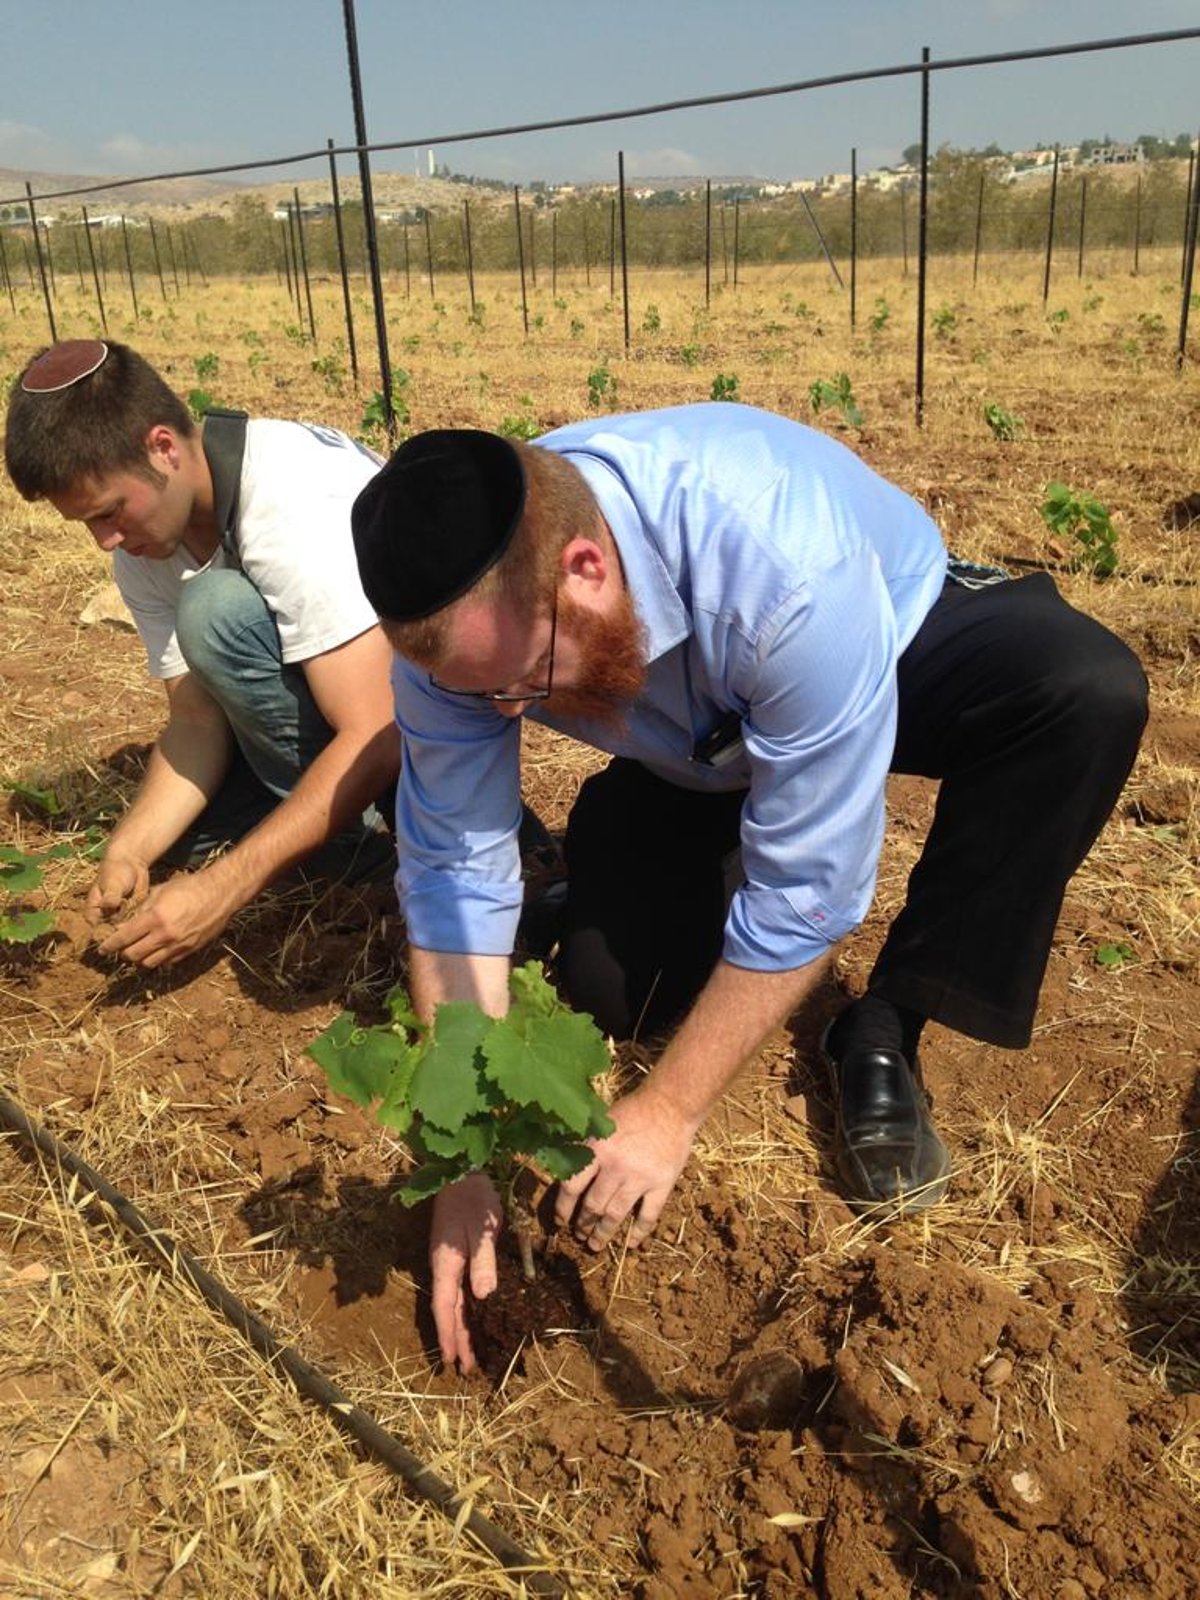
(224, 440)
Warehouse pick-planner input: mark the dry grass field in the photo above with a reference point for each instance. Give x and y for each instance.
(999, 1400)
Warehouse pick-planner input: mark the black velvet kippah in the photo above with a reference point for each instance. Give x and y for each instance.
(435, 519)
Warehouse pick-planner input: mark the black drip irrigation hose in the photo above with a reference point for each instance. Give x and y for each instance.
(309, 1381)
(1061, 566)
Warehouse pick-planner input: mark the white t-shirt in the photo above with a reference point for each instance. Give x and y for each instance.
(293, 540)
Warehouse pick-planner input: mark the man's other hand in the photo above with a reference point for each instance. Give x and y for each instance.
(636, 1166)
(120, 883)
(174, 920)
(462, 1246)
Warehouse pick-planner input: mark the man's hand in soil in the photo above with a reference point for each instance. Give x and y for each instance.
(175, 919)
(120, 883)
(466, 1219)
(636, 1166)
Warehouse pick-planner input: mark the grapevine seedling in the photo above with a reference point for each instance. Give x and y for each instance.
(476, 1093)
(1004, 424)
(601, 386)
(944, 322)
(330, 368)
(44, 802)
(374, 417)
(519, 426)
(1083, 518)
(1114, 956)
(725, 386)
(838, 395)
(21, 871)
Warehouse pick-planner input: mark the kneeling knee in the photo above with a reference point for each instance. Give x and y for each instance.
(214, 609)
(597, 984)
(1112, 697)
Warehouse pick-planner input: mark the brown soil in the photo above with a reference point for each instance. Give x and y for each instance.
(891, 1417)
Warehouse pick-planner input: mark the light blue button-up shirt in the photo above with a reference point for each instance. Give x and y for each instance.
(777, 578)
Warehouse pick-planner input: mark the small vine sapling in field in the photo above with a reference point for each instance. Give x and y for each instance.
(837, 394)
(20, 871)
(475, 1093)
(1073, 515)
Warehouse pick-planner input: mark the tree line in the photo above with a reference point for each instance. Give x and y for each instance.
(969, 198)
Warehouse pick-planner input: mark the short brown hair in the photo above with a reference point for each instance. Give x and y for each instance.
(559, 507)
(58, 439)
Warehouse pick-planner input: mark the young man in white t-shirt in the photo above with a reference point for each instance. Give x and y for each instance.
(238, 567)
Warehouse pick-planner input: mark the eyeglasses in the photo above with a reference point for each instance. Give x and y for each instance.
(63, 364)
(509, 697)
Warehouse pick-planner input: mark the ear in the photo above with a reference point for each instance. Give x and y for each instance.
(162, 448)
(586, 567)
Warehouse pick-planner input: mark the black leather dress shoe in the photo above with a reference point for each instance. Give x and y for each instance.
(886, 1148)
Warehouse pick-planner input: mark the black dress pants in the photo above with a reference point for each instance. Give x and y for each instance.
(1030, 714)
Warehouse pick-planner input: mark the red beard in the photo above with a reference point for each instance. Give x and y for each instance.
(612, 663)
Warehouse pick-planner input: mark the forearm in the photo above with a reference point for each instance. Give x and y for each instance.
(438, 975)
(184, 771)
(348, 774)
(733, 1015)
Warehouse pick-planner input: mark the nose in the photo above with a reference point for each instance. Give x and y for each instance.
(512, 708)
(108, 538)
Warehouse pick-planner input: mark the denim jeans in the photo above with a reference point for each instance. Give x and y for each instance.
(230, 642)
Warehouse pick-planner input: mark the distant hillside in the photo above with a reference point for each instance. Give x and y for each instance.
(111, 193)
(178, 199)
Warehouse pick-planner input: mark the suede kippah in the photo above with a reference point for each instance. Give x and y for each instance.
(435, 519)
(63, 364)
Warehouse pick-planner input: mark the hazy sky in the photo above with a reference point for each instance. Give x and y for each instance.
(130, 86)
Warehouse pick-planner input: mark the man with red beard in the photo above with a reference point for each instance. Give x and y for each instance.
(757, 628)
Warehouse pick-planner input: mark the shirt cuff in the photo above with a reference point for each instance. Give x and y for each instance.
(778, 930)
(463, 918)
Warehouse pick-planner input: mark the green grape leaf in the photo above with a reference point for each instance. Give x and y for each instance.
(18, 871)
(445, 1088)
(399, 1009)
(56, 852)
(601, 1124)
(1114, 955)
(530, 991)
(522, 1129)
(395, 1110)
(93, 845)
(473, 1142)
(360, 1063)
(552, 1066)
(562, 1161)
(428, 1179)
(43, 800)
(25, 926)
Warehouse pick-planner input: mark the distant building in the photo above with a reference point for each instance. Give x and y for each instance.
(1114, 155)
(313, 212)
(116, 219)
(886, 179)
